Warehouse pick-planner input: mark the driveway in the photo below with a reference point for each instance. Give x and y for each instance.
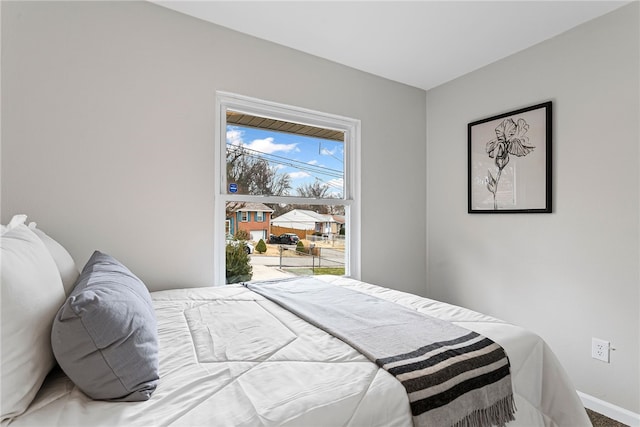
(264, 272)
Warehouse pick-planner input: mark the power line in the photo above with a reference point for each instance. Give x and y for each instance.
(312, 170)
(290, 162)
(296, 164)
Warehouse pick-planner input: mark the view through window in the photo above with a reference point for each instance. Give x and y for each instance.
(288, 194)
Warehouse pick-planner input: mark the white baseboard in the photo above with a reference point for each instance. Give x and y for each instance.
(612, 411)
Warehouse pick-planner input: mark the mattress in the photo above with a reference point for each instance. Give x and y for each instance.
(229, 357)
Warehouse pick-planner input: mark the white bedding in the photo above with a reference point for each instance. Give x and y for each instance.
(228, 357)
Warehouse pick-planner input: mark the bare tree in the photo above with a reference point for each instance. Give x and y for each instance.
(318, 190)
(253, 175)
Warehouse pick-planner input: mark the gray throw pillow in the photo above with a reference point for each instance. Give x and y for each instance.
(105, 335)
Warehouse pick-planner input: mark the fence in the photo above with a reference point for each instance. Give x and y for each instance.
(277, 230)
(335, 240)
(312, 259)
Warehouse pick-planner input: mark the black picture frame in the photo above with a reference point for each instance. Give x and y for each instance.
(509, 162)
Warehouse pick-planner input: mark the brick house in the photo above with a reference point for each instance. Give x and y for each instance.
(254, 218)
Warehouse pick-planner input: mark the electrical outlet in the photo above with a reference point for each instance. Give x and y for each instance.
(600, 349)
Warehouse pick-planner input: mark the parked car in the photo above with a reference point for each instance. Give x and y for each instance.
(284, 239)
(248, 247)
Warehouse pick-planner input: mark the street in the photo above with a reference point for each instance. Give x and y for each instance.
(330, 258)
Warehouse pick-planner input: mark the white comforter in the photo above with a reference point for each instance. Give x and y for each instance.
(228, 357)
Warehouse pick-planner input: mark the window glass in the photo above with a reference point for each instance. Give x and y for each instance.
(288, 191)
(274, 163)
(297, 242)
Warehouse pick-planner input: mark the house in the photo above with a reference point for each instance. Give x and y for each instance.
(108, 123)
(254, 218)
(310, 221)
(338, 225)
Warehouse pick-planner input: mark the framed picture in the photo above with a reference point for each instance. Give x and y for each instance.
(510, 162)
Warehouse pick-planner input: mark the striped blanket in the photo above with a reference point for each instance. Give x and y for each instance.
(453, 377)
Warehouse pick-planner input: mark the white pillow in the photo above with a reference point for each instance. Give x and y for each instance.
(66, 265)
(17, 220)
(32, 293)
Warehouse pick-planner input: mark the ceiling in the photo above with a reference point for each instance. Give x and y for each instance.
(419, 43)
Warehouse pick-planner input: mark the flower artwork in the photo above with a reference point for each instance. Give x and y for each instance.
(509, 160)
(510, 139)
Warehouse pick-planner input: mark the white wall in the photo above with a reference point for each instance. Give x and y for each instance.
(573, 274)
(108, 131)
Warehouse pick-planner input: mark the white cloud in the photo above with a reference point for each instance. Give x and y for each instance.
(267, 146)
(336, 187)
(337, 183)
(234, 137)
(298, 175)
(312, 162)
(332, 153)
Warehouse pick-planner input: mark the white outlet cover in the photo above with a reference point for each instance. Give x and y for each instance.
(600, 349)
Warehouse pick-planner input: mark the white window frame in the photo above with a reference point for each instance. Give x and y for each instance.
(351, 199)
(244, 216)
(259, 216)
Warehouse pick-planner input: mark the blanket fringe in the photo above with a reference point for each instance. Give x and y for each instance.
(498, 414)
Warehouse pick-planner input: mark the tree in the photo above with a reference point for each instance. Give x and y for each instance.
(232, 207)
(238, 268)
(315, 190)
(261, 247)
(253, 174)
(318, 190)
(241, 235)
(279, 209)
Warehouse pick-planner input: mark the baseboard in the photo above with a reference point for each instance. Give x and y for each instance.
(612, 411)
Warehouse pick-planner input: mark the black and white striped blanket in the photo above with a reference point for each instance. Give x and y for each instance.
(453, 377)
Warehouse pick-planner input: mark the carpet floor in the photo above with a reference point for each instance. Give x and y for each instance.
(599, 420)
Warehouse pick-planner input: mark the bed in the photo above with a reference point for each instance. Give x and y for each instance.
(227, 356)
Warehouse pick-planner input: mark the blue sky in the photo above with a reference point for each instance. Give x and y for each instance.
(305, 159)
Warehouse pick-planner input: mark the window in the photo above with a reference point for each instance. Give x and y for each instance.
(244, 216)
(302, 165)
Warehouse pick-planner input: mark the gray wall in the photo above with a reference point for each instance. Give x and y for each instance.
(107, 142)
(573, 274)
(108, 132)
